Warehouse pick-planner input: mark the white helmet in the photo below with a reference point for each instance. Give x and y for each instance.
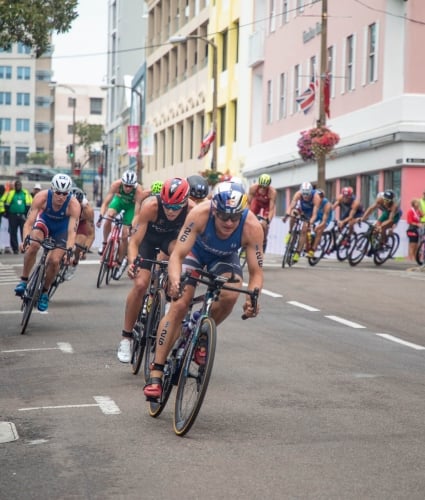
(61, 182)
(129, 178)
(306, 189)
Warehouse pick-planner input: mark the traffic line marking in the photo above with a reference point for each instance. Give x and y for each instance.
(345, 322)
(267, 292)
(106, 405)
(400, 341)
(62, 346)
(303, 306)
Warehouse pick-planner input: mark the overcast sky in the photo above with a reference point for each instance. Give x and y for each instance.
(80, 55)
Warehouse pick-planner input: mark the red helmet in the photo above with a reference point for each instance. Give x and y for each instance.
(175, 191)
(347, 191)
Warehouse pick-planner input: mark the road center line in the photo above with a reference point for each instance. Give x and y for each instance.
(303, 306)
(345, 322)
(400, 341)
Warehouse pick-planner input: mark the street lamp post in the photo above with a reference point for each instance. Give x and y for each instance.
(140, 120)
(182, 39)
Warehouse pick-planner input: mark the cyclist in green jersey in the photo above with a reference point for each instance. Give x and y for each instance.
(123, 195)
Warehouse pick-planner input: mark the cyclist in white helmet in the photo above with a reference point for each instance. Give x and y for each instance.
(124, 194)
(54, 212)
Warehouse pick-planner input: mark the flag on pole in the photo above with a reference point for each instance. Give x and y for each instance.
(327, 95)
(306, 99)
(206, 143)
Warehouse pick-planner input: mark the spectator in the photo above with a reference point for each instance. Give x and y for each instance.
(17, 203)
(422, 207)
(36, 189)
(413, 218)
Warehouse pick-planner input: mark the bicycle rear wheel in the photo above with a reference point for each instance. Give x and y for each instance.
(195, 376)
(359, 249)
(112, 259)
(320, 251)
(420, 253)
(155, 314)
(139, 341)
(30, 297)
(344, 248)
(396, 244)
(156, 407)
(104, 264)
(384, 252)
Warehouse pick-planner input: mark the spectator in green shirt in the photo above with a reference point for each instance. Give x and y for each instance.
(17, 203)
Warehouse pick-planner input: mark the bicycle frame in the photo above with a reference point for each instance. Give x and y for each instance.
(110, 253)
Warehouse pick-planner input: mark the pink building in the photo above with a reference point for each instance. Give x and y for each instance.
(377, 95)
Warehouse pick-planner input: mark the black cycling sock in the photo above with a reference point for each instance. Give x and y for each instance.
(24, 279)
(127, 335)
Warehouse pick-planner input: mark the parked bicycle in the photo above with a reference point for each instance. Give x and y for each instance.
(184, 367)
(372, 243)
(109, 263)
(36, 280)
(150, 314)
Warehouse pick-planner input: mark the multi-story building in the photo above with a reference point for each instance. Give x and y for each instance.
(25, 106)
(377, 93)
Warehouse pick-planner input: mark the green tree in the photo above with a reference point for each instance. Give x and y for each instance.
(32, 22)
(88, 134)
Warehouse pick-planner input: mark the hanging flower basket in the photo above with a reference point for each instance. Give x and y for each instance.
(315, 142)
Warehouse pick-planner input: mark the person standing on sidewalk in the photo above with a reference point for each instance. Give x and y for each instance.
(17, 203)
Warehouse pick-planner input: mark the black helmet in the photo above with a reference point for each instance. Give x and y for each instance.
(388, 195)
(198, 187)
(78, 193)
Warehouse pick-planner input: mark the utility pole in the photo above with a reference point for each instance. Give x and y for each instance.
(321, 160)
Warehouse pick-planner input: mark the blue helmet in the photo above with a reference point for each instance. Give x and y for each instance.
(229, 197)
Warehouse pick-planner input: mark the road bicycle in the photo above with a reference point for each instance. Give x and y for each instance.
(420, 252)
(371, 243)
(190, 362)
(339, 241)
(36, 280)
(109, 266)
(150, 314)
(293, 242)
(60, 276)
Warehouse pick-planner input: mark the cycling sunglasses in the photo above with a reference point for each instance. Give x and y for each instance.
(174, 208)
(62, 193)
(225, 216)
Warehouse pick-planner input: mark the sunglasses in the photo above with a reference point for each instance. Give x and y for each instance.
(174, 208)
(225, 216)
(61, 193)
(128, 186)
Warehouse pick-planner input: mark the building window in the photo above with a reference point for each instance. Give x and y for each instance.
(284, 10)
(222, 115)
(282, 96)
(269, 102)
(372, 54)
(349, 63)
(330, 67)
(42, 128)
(6, 72)
(300, 6)
(224, 37)
(70, 129)
(23, 72)
(7, 50)
(22, 155)
(72, 101)
(96, 104)
(22, 99)
(297, 86)
(5, 124)
(23, 49)
(370, 186)
(272, 18)
(22, 125)
(4, 156)
(5, 98)
(235, 120)
(392, 180)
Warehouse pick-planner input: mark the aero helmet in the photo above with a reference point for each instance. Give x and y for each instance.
(175, 191)
(264, 180)
(156, 187)
(129, 178)
(347, 191)
(78, 193)
(61, 182)
(388, 195)
(229, 197)
(306, 189)
(198, 186)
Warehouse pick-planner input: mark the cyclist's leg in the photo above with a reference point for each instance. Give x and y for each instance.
(38, 232)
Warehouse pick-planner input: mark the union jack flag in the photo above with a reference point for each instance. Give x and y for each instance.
(306, 99)
(206, 143)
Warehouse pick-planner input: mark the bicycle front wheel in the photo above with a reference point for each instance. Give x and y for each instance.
(358, 250)
(420, 253)
(139, 343)
(59, 278)
(30, 297)
(195, 376)
(104, 264)
(384, 252)
(155, 314)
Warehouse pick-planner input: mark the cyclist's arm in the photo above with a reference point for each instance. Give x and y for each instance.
(316, 205)
(148, 214)
(114, 189)
(368, 211)
(39, 203)
(73, 212)
(272, 204)
(354, 207)
(336, 203)
(89, 215)
(251, 193)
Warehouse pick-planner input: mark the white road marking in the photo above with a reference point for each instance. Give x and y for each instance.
(400, 341)
(62, 346)
(303, 306)
(106, 405)
(345, 322)
(267, 292)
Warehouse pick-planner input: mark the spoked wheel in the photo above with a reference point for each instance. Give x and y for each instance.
(155, 314)
(359, 249)
(384, 252)
(420, 253)
(104, 264)
(345, 247)
(195, 376)
(396, 244)
(138, 344)
(320, 251)
(30, 298)
(60, 278)
(112, 259)
(288, 256)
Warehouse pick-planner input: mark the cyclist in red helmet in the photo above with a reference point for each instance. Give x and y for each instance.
(350, 208)
(157, 226)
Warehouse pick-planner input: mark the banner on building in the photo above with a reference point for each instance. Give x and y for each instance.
(147, 140)
(206, 143)
(133, 134)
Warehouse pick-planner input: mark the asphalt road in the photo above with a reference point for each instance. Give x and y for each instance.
(320, 397)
